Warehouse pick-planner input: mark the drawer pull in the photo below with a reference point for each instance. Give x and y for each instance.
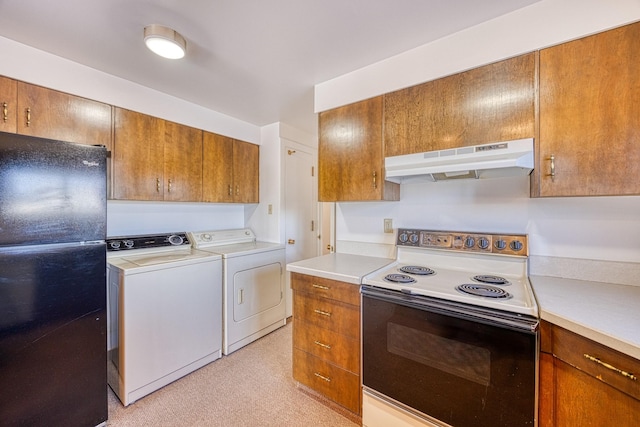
(326, 288)
(323, 345)
(613, 368)
(323, 313)
(322, 377)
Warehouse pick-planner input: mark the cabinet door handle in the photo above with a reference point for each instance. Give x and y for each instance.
(169, 190)
(322, 377)
(237, 190)
(230, 190)
(5, 111)
(28, 117)
(322, 313)
(323, 345)
(157, 185)
(611, 367)
(375, 179)
(553, 167)
(325, 288)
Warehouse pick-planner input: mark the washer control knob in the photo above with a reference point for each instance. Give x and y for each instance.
(469, 242)
(206, 237)
(483, 243)
(515, 246)
(115, 245)
(128, 243)
(403, 237)
(413, 238)
(500, 244)
(175, 240)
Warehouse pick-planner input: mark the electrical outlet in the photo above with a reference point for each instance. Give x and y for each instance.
(388, 225)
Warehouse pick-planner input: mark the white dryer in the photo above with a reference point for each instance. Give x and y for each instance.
(252, 284)
(164, 312)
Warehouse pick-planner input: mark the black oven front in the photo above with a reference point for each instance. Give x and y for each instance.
(462, 365)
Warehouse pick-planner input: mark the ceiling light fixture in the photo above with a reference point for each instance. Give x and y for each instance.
(164, 41)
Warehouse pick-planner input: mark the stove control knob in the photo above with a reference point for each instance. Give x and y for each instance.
(500, 244)
(403, 237)
(115, 245)
(483, 243)
(128, 243)
(515, 246)
(469, 242)
(175, 240)
(206, 237)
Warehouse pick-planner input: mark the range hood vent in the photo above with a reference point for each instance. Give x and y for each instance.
(501, 159)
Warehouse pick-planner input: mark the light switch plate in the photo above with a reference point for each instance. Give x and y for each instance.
(388, 225)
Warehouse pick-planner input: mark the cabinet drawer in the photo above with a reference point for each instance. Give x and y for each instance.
(341, 386)
(335, 348)
(328, 314)
(601, 362)
(332, 289)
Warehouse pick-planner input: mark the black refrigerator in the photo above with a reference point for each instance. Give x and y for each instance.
(52, 283)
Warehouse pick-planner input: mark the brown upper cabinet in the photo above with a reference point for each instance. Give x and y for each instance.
(350, 154)
(589, 141)
(492, 103)
(156, 159)
(37, 111)
(230, 170)
(8, 104)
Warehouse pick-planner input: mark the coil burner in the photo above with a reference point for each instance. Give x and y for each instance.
(484, 291)
(417, 270)
(399, 278)
(491, 280)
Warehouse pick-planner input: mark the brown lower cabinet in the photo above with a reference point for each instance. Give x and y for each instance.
(585, 384)
(326, 338)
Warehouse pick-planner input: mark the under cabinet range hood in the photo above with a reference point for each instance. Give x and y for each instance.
(500, 159)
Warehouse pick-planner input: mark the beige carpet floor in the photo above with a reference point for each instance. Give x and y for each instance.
(251, 387)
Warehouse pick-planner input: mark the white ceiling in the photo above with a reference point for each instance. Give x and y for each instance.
(255, 60)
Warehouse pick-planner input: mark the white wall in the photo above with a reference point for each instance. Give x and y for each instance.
(603, 228)
(542, 24)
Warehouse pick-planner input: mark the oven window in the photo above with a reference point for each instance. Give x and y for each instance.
(461, 372)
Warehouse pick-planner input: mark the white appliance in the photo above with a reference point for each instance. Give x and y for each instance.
(500, 159)
(164, 312)
(450, 333)
(252, 284)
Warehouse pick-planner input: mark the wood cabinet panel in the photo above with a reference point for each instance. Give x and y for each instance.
(327, 345)
(326, 288)
(326, 338)
(492, 103)
(51, 114)
(138, 159)
(246, 182)
(8, 104)
(231, 170)
(182, 163)
(590, 116)
(335, 383)
(350, 154)
(217, 173)
(575, 390)
(333, 315)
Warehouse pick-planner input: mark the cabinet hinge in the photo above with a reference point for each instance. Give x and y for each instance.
(313, 168)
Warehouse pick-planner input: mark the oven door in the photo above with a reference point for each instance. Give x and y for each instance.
(461, 365)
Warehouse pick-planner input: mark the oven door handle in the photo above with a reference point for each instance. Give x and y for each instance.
(455, 309)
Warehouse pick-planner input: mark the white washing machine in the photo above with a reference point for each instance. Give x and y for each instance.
(252, 284)
(164, 312)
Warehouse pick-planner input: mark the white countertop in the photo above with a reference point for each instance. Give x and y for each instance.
(603, 312)
(347, 268)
